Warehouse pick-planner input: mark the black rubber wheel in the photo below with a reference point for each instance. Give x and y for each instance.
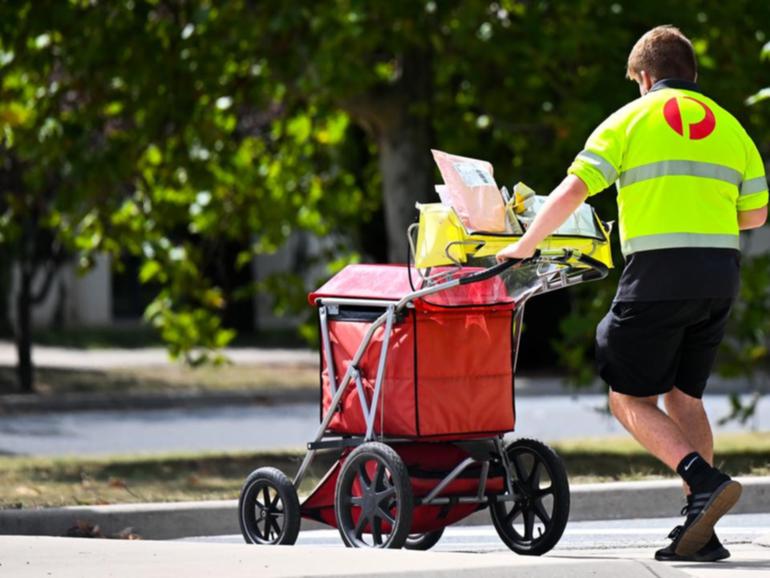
(373, 498)
(424, 541)
(268, 509)
(535, 521)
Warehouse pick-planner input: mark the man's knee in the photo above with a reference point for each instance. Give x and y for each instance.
(620, 403)
(677, 401)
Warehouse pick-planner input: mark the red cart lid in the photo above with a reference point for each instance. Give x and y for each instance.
(367, 282)
(391, 282)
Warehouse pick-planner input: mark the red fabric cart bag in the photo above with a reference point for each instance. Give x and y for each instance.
(464, 380)
(449, 369)
(396, 413)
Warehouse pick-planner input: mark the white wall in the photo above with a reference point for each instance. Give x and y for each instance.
(91, 296)
(299, 246)
(79, 300)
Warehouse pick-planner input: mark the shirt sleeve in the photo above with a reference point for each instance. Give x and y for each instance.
(753, 191)
(598, 164)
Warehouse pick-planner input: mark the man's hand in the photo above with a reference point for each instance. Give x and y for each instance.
(561, 203)
(516, 250)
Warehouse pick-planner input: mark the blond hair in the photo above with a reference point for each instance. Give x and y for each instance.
(663, 52)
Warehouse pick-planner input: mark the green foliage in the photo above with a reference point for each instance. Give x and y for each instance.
(171, 130)
(575, 342)
(764, 93)
(748, 343)
(759, 96)
(157, 130)
(745, 352)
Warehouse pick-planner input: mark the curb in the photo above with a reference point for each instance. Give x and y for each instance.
(186, 519)
(158, 521)
(660, 498)
(51, 356)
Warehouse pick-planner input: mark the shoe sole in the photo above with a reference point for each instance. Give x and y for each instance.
(697, 534)
(714, 556)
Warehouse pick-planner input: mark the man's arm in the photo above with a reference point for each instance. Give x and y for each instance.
(752, 219)
(561, 203)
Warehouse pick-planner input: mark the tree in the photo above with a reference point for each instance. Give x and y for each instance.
(150, 128)
(521, 84)
(47, 138)
(170, 128)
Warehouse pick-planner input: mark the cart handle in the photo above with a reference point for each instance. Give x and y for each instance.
(598, 270)
(496, 269)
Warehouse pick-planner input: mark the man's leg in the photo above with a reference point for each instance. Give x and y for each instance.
(690, 415)
(652, 428)
(714, 493)
(641, 348)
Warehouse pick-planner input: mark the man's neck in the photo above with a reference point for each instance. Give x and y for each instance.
(675, 83)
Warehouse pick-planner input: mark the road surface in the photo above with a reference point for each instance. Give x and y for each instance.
(548, 418)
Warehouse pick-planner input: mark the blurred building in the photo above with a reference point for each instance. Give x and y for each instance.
(108, 297)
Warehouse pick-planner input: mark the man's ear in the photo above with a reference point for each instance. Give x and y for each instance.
(646, 81)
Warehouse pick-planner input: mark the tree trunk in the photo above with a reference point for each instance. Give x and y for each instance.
(398, 116)
(404, 151)
(407, 177)
(23, 334)
(25, 300)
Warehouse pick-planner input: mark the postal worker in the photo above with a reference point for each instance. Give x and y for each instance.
(688, 179)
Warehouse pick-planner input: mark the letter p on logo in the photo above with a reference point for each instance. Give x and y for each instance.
(696, 130)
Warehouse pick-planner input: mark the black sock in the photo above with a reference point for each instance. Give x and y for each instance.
(699, 475)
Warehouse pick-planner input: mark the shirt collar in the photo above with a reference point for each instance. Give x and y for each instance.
(675, 83)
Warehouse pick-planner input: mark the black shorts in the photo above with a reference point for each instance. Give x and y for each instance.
(646, 348)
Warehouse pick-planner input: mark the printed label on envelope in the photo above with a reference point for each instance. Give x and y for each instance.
(472, 175)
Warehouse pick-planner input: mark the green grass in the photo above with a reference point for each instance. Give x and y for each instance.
(168, 378)
(605, 459)
(42, 482)
(38, 482)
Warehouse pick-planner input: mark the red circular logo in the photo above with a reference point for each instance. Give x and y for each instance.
(697, 130)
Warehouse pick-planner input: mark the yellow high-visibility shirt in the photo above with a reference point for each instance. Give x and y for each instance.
(684, 167)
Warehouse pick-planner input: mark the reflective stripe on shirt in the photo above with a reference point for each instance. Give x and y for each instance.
(602, 165)
(672, 240)
(680, 168)
(751, 186)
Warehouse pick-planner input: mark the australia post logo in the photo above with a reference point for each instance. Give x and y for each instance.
(694, 121)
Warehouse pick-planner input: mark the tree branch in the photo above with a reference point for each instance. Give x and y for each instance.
(38, 296)
(56, 258)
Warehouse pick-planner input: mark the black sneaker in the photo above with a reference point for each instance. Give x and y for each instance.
(704, 511)
(711, 552)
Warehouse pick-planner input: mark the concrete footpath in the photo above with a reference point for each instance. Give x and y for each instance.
(110, 358)
(34, 557)
(607, 501)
